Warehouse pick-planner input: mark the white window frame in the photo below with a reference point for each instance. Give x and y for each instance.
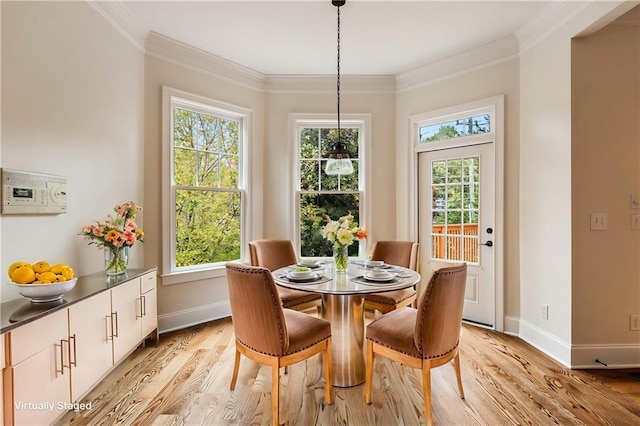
(363, 123)
(172, 98)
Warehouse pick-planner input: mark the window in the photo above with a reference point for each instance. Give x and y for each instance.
(204, 200)
(320, 195)
(457, 128)
(455, 191)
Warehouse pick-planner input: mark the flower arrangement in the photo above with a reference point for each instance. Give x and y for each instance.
(116, 234)
(342, 233)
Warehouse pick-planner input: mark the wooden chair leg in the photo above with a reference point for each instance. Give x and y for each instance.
(368, 373)
(328, 373)
(426, 390)
(236, 367)
(275, 392)
(456, 365)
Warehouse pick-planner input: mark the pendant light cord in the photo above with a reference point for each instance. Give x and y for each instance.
(338, 83)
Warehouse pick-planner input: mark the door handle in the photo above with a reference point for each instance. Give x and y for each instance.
(488, 244)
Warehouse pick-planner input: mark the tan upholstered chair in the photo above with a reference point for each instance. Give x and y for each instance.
(275, 254)
(271, 335)
(423, 338)
(400, 253)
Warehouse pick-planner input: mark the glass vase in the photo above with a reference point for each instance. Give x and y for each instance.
(341, 257)
(116, 260)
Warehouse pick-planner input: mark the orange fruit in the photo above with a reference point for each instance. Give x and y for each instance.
(23, 275)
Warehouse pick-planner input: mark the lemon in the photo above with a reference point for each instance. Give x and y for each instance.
(16, 265)
(60, 278)
(47, 276)
(67, 273)
(23, 275)
(41, 266)
(58, 267)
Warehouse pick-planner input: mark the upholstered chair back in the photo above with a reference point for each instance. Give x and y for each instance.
(272, 254)
(439, 318)
(401, 253)
(256, 311)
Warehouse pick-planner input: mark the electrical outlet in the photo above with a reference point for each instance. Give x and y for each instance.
(634, 322)
(599, 221)
(544, 311)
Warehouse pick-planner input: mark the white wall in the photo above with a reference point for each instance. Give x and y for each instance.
(72, 106)
(545, 185)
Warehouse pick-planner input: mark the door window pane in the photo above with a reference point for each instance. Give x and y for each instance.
(455, 209)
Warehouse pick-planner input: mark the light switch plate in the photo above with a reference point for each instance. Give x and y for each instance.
(599, 221)
(635, 201)
(635, 221)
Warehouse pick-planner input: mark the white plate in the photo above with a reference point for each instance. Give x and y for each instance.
(313, 265)
(379, 277)
(305, 278)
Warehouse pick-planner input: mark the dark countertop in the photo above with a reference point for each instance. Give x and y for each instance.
(18, 312)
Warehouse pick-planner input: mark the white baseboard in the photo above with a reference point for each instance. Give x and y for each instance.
(511, 325)
(614, 356)
(546, 342)
(188, 317)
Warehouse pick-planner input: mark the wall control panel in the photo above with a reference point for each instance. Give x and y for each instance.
(33, 193)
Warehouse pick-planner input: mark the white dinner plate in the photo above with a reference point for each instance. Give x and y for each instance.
(385, 277)
(309, 278)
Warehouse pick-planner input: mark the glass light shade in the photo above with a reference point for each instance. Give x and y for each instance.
(338, 166)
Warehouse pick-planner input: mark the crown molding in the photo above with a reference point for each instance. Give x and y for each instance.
(123, 20)
(483, 56)
(170, 50)
(301, 84)
(547, 21)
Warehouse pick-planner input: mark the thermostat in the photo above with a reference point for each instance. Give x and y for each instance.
(33, 193)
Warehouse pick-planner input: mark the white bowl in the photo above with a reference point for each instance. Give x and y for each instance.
(300, 274)
(373, 263)
(39, 293)
(378, 274)
(308, 262)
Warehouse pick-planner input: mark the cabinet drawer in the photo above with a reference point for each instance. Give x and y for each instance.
(148, 282)
(38, 335)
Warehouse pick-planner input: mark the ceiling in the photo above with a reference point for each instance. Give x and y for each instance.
(300, 37)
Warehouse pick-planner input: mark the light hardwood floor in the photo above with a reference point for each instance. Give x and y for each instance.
(185, 381)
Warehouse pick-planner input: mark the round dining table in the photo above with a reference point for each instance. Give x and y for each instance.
(343, 296)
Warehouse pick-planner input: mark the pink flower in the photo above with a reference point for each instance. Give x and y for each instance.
(129, 237)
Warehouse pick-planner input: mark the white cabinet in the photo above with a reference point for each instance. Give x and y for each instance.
(57, 359)
(134, 313)
(124, 310)
(38, 374)
(149, 305)
(90, 338)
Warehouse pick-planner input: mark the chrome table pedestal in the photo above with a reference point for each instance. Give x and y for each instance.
(346, 314)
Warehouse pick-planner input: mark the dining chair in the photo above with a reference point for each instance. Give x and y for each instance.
(276, 254)
(271, 335)
(426, 337)
(400, 253)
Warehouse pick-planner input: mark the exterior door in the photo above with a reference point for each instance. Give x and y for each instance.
(456, 221)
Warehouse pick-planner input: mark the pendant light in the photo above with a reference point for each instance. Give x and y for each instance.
(339, 158)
